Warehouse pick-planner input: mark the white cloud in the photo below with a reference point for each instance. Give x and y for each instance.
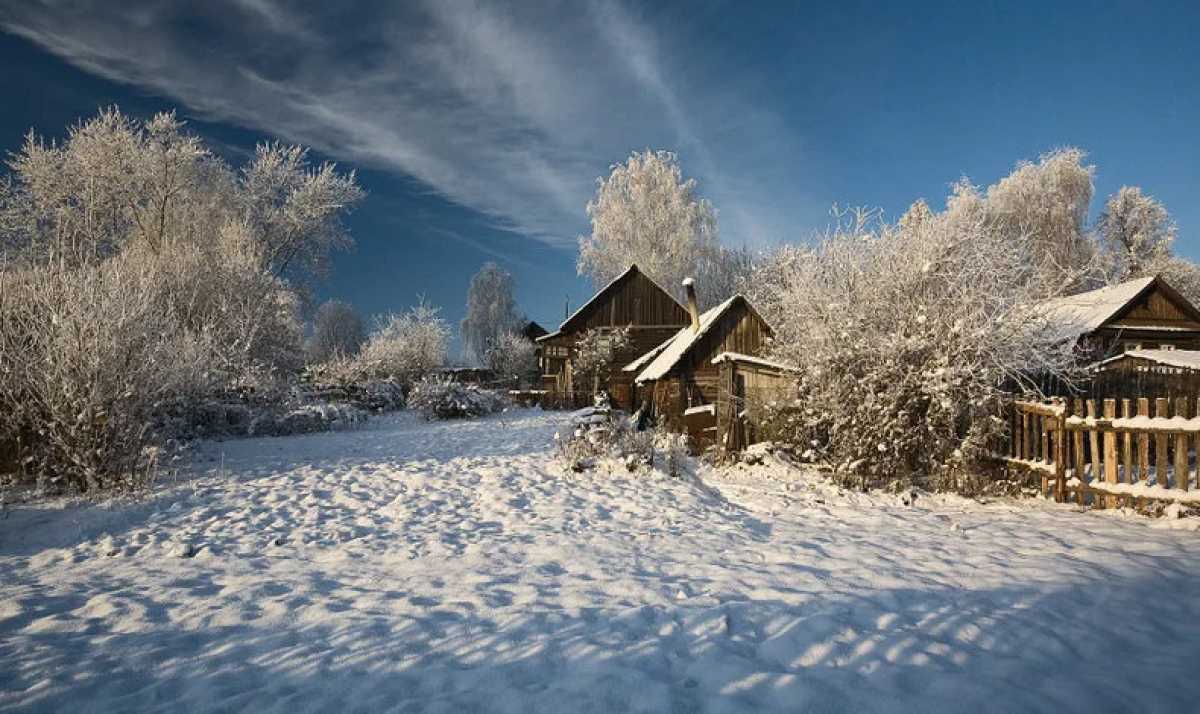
(512, 112)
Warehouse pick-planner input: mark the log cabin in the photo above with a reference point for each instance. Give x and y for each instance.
(632, 300)
(1145, 313)
(678, 382)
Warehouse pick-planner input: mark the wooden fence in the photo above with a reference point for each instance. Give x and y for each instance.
(1109, 452)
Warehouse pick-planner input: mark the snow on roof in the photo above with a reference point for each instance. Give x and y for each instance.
(739, 357)
(1086, 312)
(644, 360)
(668, 354)
(1188, 359)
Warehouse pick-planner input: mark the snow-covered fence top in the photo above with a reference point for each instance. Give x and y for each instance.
(1113, 451)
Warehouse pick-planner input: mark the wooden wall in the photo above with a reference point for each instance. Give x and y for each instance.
(696, 380)
(633, 302)
(743, 388)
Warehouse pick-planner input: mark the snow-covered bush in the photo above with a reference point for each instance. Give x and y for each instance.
(438, 397)
(306, 419)
(907, 336)
(88, 357)
(513, 358)
(407, 346)
(600, 433)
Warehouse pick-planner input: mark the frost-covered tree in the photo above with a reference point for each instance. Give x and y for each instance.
(338, 331)
(408, 345)
(1044, 206)
(491, 311)
(512, 357)
(141, 274)
(295, 208)
(595, 351)
(1137, 232)
(644, 212)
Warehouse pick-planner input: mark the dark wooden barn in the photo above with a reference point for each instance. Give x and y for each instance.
(631, 301)
(678, 382)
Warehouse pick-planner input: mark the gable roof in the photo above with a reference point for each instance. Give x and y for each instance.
(532, 330)
(581, 314)
(658, 362)
(1084, 313)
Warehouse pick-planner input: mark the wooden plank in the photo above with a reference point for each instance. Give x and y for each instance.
(1143, 439)
(1110, 451)
(1181, 446)
(1094, 445)
(1161, 411)
(1045, 455)
(1025, 437)
(1016, 433)
(1060, 464)
(1127, 443)
(1077, 448)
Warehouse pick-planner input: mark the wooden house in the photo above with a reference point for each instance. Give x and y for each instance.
(1145, 313)
(631, 301)
(678, 380)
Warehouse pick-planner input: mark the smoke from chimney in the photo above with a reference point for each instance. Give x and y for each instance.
(693, 307)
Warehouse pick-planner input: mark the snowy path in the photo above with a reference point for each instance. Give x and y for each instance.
(453, 567)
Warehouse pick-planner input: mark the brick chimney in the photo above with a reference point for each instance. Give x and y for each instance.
(693, 307)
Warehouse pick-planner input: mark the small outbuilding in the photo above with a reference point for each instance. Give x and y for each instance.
(678, 382)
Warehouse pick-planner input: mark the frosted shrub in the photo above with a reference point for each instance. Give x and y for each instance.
(407, 346)
(907, 336)
(600, 433)
(88, 358)
(438, 397)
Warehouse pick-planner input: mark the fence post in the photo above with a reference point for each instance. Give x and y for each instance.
(1077, 446)
(1094, 444)
(1143, 439)
(1110, 450)
(1160, 443)
(1060, 456)
(1127, 443)
(1181, 446)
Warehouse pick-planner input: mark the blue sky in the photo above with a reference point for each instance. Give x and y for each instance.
(479, 129)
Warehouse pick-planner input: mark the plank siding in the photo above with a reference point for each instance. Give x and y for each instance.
(695, 380)
(632, 301)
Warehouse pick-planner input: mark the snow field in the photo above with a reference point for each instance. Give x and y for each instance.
(454, 566)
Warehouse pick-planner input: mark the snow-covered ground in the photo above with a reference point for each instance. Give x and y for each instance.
(454, 567)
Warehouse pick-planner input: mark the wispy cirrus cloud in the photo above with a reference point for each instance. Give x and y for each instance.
(510, 111)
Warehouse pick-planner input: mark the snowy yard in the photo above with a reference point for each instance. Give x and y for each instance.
(454, 567)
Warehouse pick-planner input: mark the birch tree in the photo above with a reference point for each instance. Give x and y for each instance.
(491, 311)
(646, 213)
(1137, 232)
